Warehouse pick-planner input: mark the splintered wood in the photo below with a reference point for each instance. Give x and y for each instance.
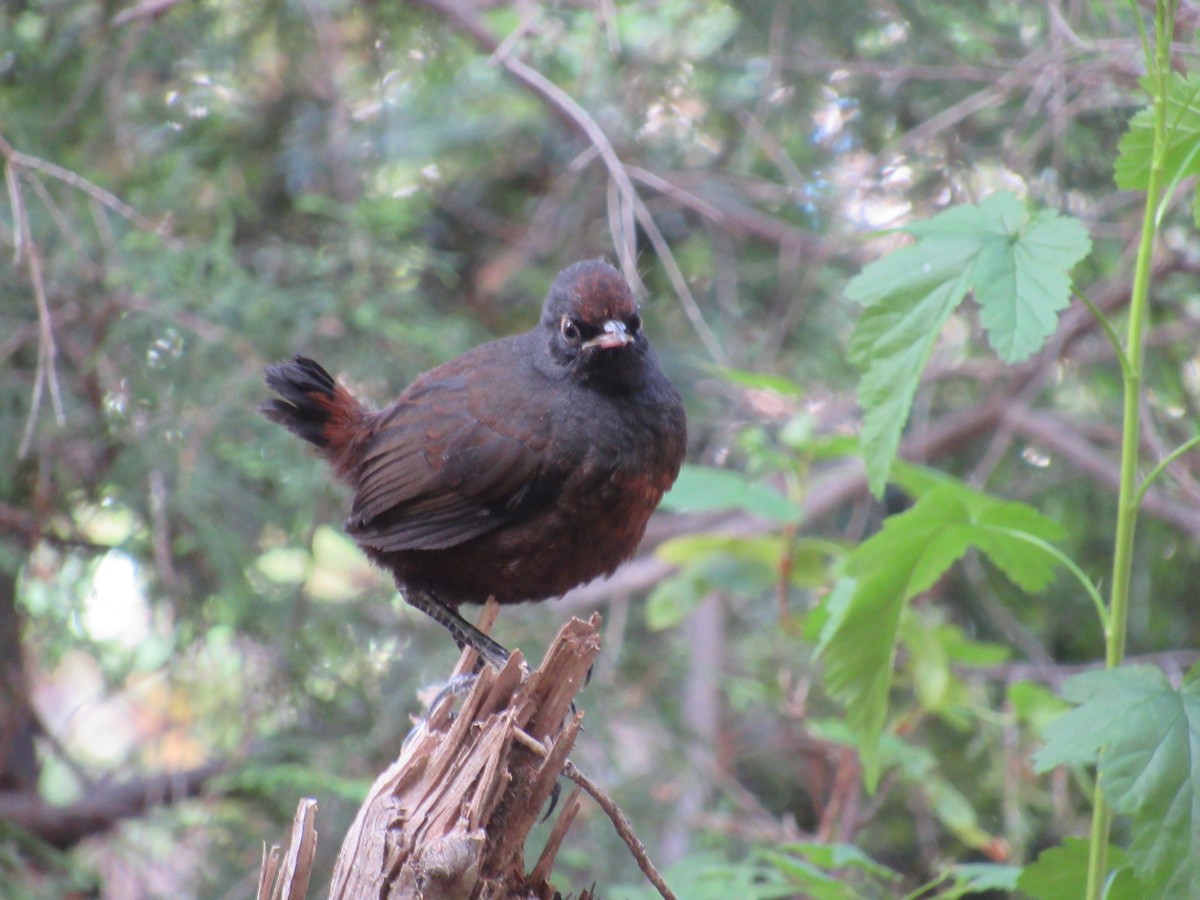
(449, 818)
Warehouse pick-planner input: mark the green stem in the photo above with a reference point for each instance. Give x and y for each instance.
(1062, 559)
(1107, 326)
(1128, 495)
(1161, 467)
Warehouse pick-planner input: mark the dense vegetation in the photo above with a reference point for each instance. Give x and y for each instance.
(187, 642)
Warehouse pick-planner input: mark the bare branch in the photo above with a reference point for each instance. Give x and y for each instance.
(24, 245)
(1056, 435)
(104, 805)
(100, 195)
(623, 826)
(147, 9)
(581, 120)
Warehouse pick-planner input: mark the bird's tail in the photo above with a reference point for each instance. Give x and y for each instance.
(313, 406)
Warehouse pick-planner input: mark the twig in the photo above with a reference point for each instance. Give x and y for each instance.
(23, 244)
(1057, 435)
(623, 827)
(56, 213)
(551, 92)
(105, 198)
(582, 121)
(1053, 674)
(18, 165)
(620, 822)
(145, 9)
(163, 559)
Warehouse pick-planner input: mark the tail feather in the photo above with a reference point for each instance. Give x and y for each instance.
(312, 406)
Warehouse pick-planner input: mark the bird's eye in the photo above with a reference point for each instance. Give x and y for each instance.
(570, 329)
(634, 324)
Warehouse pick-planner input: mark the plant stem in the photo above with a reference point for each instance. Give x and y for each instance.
(1129, 497)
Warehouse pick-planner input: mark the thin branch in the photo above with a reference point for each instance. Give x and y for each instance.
(679, 195)
(23, 244)
(540, 873)
(100, 195)
(103, 806)
(56, 213)
(623, 827)
(18, 165)
(579, 118)
(1173, 662)
(17, 200)
(1058, 436)
(552, 93)
(145, 9)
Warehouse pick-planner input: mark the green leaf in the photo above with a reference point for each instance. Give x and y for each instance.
(927, 663)
(976, 878)
(1035, 704)
(839, 856)
(672, 601)
(711, 562)
(1143, 734)
(1021, 282)
(761, 381)
(758, 558)
(1026, 565)
(1062, 872)
(819, 870)
(1131, 172)
(703, 489)
(967, 651)
(891, 346)
(1015, 263)
(766, 549)
(913, 550)
(816, 884)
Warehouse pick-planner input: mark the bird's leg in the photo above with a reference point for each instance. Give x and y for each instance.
(464, 633)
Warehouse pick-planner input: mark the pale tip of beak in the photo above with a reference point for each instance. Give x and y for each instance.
(614, 335)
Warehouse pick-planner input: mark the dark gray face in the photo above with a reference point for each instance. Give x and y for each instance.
(593, 326)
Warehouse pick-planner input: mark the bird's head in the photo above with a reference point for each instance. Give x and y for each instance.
(593, 326)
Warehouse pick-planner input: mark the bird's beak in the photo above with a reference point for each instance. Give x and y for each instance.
(614, 335)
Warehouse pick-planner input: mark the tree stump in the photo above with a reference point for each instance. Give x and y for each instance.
(449, 818)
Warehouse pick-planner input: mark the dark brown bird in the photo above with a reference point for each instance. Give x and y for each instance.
(519, 470)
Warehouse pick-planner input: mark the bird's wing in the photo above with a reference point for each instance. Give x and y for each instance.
(447, 464)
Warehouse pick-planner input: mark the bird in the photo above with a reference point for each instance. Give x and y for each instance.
(523, 468)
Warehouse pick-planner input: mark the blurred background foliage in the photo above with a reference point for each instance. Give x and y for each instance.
(188, 643)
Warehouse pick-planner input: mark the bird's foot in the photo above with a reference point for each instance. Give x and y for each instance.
(464, 633)
(458, 686)
(490, 652)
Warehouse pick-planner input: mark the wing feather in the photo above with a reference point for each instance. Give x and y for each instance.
(439, 470)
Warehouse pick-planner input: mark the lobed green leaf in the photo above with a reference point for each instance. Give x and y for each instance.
(1062, 872)
(1016, 265)
(1145, 737)
(914, 549)
(1181, 158)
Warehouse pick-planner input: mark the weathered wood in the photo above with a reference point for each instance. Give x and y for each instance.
(449, 818)
(286, 877)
